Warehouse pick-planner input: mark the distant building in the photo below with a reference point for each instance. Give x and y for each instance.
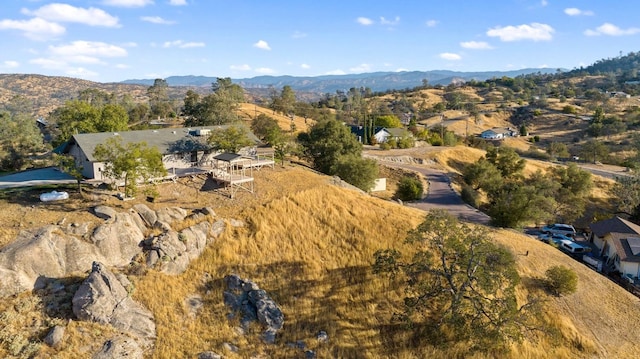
(381, 134)
(498, 133)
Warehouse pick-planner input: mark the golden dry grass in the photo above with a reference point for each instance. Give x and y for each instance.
(250, 111)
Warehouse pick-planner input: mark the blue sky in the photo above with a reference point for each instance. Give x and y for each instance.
(114, 40)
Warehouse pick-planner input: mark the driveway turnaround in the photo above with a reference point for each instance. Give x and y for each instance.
(441, 195)
(37, 177)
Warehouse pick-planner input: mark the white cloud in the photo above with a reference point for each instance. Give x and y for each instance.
(183, 45)
(361, 68)
(298, 35)
(611, 30)
(122, 66)
(364, 21)
(48, 63)
(544, 3)
(80, 72)
(305, 66)
(243, 67)
(261, 44)
(157, 20)
(450, 56)
(393, 22)
(335, 72)
(572, 11)
(535, 32)
(265, 70)
(401, 69)
(10, 64)
(84, 49)
(177, 2)
(127, 3)
(67, 13)
(431, 23)
(35, 29)
(476, 45)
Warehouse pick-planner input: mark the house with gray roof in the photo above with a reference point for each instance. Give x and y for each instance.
(181, 148)
(619, 242)
(381, 134)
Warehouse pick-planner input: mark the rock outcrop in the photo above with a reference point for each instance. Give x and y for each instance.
(103, 299)
(254, 304)
(57, 251)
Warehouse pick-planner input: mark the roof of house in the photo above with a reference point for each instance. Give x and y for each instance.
(359, 130)
(166, 140)
(627, 248)
(397, 132)
(614, 225)
(227, 157)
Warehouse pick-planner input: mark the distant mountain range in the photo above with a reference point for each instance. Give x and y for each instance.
(376, 81)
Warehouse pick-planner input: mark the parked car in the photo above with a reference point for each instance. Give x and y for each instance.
(559, 228)
(555, 238)
(573, 247)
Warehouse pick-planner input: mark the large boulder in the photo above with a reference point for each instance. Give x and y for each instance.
(171, 215)
(172, 251)
(254, 304)
(148, 215)
(43, 252)
(104, 212)
(119, 240)
(103, 299)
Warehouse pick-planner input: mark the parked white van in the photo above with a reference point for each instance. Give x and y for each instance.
(573, 247)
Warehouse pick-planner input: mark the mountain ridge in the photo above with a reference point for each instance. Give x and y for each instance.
(376, 81)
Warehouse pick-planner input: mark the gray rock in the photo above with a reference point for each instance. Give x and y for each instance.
(209, 355)
(249, 286)
(208, 211)
(101, 298)
(120, 347)
(236, 223)
(218, 228)
(322, 336)
(253, 304)
(309, 354)
(171, 215)
(104, 212)
(269, 336)
(230, 347)
(194, 304)
(119, 240)
(233, 282)
(148, 215)
(55, 336)
(231, 300)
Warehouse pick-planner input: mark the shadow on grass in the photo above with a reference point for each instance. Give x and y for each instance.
(336, 302)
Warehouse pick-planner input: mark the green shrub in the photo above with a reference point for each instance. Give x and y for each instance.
(409, 189)
(561, 280)
(470, 196)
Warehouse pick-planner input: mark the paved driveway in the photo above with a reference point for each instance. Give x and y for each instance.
(37, 177)
(441, 195)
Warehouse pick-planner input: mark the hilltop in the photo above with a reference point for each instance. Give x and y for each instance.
(310, 244)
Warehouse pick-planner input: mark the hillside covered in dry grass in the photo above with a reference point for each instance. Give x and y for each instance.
(310, 245)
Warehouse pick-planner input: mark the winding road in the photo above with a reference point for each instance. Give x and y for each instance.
(440, 194)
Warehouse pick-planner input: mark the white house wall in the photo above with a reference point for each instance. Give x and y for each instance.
(630, 268)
